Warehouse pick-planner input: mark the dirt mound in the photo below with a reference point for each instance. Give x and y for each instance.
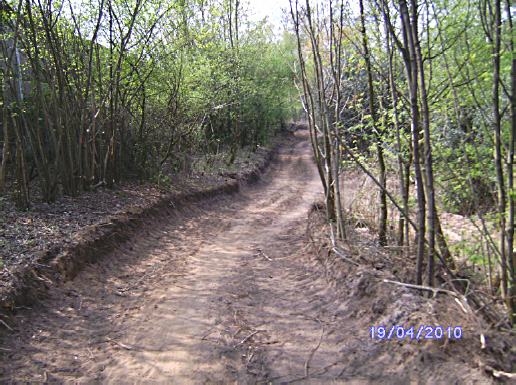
(438, 355)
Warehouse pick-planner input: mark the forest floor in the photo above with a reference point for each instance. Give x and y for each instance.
(239, 288)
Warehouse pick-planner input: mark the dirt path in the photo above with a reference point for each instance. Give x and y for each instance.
(189, 298)
(223, 291)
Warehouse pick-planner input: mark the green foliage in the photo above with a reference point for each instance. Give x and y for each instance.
(467, 189)
(126, 88)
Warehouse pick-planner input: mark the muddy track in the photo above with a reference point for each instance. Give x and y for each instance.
(222, 290)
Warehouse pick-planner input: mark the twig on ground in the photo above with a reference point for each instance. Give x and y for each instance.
(500, 374)
(207, 334)
(126, 347)
(7, 326)
(310, 356)
(249, 359)
(246, 338)
(419, 287)
(41, 265)
(483, 342)
(336, 251)
(260, 253)
(44, 279)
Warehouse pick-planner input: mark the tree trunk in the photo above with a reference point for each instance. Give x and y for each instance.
(8, 59)
(496, 47)
(412, 77)
(382, 234)
(510, 173)
(23, 201)
(430, 191)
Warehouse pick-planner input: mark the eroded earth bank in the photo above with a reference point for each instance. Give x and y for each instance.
(228, 289)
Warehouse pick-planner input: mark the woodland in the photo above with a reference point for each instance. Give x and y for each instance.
(420, 96)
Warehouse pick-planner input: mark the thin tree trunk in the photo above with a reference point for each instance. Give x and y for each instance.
(236, 59)
(7, 145)
(430, 191)
(324, 146)
(510, 173)
(412, 76)
(33, 128)
(5, 95)
(404, 166)
(23, 201)
(382, 234)
(394, 99)
(496, 47)
(336, 69)
(324, 115)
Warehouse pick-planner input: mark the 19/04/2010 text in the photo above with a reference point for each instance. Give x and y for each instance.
(423, 332)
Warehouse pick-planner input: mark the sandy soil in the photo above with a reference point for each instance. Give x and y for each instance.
(227, 289)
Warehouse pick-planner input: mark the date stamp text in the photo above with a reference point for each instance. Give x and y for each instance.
(416, 333)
